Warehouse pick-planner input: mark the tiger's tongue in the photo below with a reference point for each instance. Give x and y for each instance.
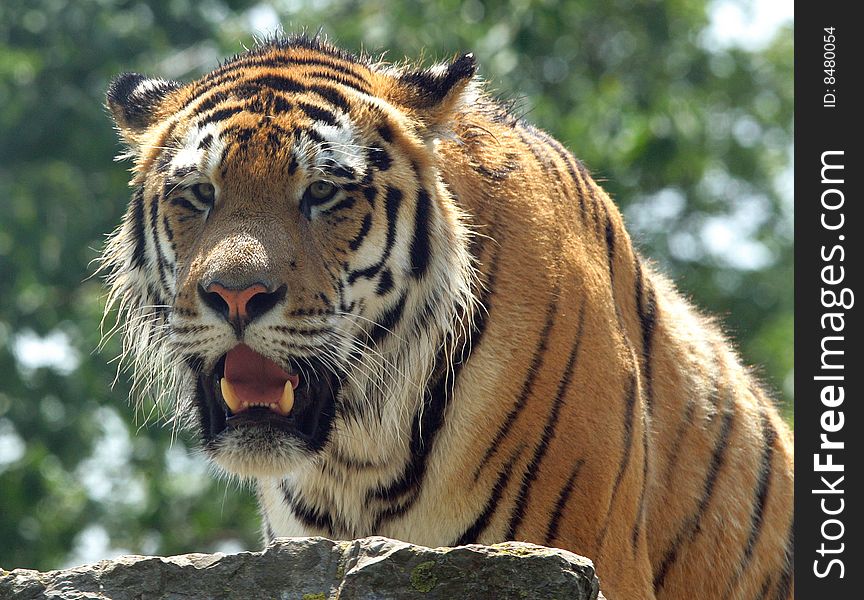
(254, 379)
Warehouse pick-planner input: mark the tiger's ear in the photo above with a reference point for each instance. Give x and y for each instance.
(134, 100)
(433, 95)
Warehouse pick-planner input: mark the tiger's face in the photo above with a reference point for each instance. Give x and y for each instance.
(290, 256)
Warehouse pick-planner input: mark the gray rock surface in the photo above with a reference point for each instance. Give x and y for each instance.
(322, 569)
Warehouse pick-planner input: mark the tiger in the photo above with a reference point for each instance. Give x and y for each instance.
(395, 308)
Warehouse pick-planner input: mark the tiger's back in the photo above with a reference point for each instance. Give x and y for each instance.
(540, 381)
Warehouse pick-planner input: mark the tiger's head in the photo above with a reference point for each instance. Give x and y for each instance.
(291, 267)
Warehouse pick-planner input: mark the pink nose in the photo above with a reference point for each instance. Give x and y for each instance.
(237, 301)
(241, 304)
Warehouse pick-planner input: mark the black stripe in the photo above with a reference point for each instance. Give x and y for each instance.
(159, 309)
(305, 331)
(640, 512)
(472, 534)
(370, 192)
(275, 143)
(310, 517)
(185, 204)
(161, 262)
(646, 310)
(280, 133)
(392, 202)
(226, 150)
(342, 171)
(385, 131)
(310, 133)
(420, 243)
(354, 82)
(499, 174)
(561, 503)
(537, 146)
(385, 283)
(353, 464)
(595, 205)
(484, 305)
(234, 87)
(379, 158)
(365, 226)
(678, 439)
(331, 95)
(280, 104)
(586, 190)
(367, 273)
(527, 385)
(344, 204)
(258, 101)
(763, 486)
(687, 423)
(317, 113)
(610, 245)
(546, 142)
(784, 584)
(533, 468)
(209, 101)
(168, 231)
(572, 165)
(276, 82)
(389, 320)
(269, 534)
(139, 248)
(241, 134)
(692, 525)
(205, 142)
(763, 591)
(220, 115)
(627, 442)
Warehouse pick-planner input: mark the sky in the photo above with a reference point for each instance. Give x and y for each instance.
(747, 24)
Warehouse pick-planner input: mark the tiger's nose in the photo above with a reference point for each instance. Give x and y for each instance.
(240, 306)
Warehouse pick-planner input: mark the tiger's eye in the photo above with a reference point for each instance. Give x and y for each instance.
(204, 192)
(321, 190)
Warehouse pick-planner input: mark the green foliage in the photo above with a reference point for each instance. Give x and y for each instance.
(691, 139)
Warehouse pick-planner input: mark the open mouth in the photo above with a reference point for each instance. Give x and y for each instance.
(247, 392)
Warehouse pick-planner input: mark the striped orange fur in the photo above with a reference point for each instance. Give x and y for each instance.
(482, 355)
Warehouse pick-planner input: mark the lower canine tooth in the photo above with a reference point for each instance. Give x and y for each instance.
(229, 395)
(286, 402)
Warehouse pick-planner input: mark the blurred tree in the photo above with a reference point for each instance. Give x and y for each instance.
(691, 137)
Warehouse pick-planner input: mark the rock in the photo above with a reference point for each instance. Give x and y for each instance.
(320, 569)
